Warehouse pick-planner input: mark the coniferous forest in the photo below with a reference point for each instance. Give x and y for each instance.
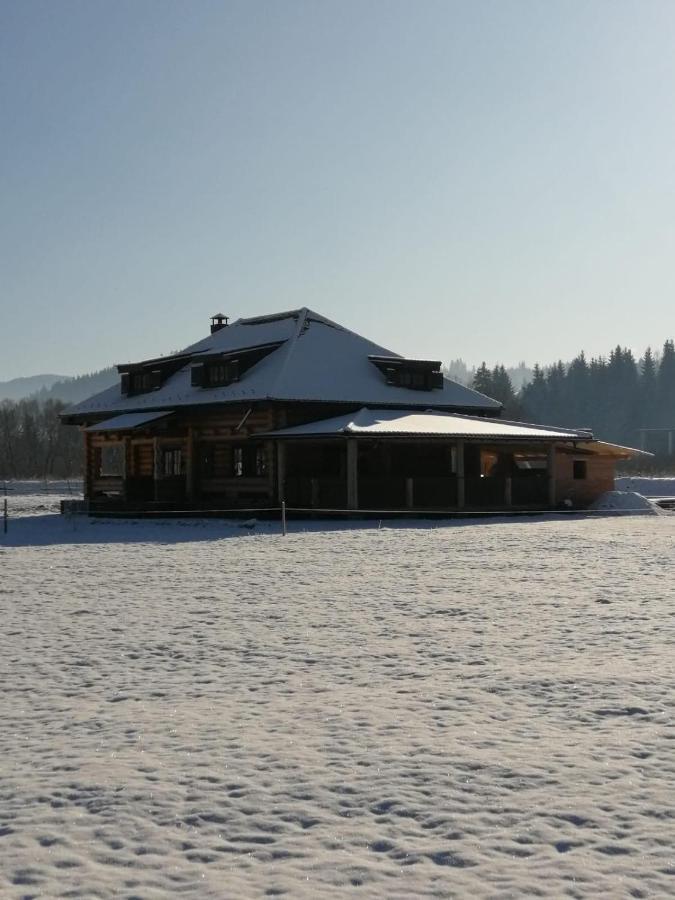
(614, 396)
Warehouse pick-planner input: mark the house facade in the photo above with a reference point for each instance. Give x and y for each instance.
(294, 407)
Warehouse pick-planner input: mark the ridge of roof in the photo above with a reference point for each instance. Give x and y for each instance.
(302, 312)
(289, 347)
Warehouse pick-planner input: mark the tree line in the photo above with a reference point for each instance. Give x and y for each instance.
(614, 396)
(35, 444)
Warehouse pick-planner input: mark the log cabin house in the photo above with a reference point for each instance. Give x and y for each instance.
(295, 407)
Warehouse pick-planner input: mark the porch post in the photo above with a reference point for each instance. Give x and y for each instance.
(352, 474)
(156, 470)
(88, 466)
(281, 470)
(508, 493)
(551, 475)
(126, 468)
(190, 466)
(460, 475)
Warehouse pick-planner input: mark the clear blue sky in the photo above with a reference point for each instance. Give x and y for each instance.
(491, 180)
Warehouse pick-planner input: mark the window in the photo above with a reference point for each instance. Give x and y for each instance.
(579, 468)
(530, 463)
(416, 374)
(111, 461)
(172, 462)
(142, 381)
(260, 462)
(221, 374)
(417, 380)
(249, 461)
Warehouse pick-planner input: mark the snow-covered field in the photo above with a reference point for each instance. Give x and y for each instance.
(649, 487)
(35, 498)
(417, 710)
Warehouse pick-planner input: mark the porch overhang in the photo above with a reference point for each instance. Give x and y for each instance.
(430, 424)
(129, 421)
(616, 451)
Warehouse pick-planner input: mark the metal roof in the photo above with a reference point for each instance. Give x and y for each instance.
(431, 423)
(316, 361)
(128, 420)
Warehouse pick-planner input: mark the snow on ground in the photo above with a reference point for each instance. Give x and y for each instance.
(648, 487)
(477, 709)
(627, 501)
(26, 498)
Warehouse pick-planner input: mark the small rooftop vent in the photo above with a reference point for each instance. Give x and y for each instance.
(218, 321)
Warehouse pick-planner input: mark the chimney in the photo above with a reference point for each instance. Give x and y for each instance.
(218, 321)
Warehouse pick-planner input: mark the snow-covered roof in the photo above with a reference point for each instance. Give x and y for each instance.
(127, 421)
(317, 361)
(430, 423)
(618, 451)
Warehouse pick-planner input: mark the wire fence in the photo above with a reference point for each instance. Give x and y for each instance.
(278, 512)
(281, 513)
(69, 486)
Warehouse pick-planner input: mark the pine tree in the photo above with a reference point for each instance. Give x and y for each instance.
(646, 412)
(502, 389)
(576, 390)
(666, 386)
(482, 380)
(534, 396)
(555, 381)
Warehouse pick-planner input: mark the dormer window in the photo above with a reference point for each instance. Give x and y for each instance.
(141, 381)
(221, 369)
(415, 374)
(219, 374)
(149, 375)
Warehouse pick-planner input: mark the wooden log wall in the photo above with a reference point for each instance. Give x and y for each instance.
(224, 430)
(142, 458)
(96, 483)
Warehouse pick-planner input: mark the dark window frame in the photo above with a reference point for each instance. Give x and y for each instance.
(249, 461)
(173, 462)
(579, 469)
(222, 373)
(110, 461)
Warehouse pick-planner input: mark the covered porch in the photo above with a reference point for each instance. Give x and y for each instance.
(377, 460)
(405, 474)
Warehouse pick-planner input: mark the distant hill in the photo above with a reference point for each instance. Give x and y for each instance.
(18, 388)
(73, 390)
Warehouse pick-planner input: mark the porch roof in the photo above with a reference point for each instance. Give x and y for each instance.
(128, 421)
(617, 451)
(404, 422)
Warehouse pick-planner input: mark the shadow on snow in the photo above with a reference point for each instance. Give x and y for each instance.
(53, 529)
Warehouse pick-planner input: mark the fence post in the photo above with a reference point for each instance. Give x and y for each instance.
(283, 518)
(409, 493)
